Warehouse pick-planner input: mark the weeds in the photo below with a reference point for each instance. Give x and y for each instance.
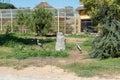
(100, 67)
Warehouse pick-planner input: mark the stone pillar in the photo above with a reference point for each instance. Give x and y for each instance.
(61, 42)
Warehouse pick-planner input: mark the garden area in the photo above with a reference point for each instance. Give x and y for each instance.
(86, 55)
(21, 50)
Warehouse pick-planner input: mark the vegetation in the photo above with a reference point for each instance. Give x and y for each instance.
(106, 14)
(81, 35)
(21, 47)
(96, 68)
(6, 6)
(40, 20)
(22, 20)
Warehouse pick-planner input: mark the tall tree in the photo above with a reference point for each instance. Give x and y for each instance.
(40, 20)
(107, 14)
(6, 6)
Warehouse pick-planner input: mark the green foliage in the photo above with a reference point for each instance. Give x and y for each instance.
(22, 47)
(6, 6)
(107, 14)
(107, 44)
(22, 19)
(100, 10)
(23, 53)
(40, 20)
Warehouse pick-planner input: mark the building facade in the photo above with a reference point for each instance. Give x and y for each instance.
(85, 22)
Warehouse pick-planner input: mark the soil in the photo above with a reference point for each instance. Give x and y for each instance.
(43, 73)
(47, 69)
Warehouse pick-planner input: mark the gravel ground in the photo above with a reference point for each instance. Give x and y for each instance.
(43, 73)
(19, 77)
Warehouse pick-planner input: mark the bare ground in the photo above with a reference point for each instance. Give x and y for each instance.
(43, 73)
(49, 71)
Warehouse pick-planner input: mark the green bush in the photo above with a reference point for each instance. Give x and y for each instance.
(6, 6)
(107, 44)
(39, 20)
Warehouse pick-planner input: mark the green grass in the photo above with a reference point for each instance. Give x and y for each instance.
(23, 48)
(5, 52)
(27, 47)
(95, 68)
(86, 45)
(81, 35)
(70, 46)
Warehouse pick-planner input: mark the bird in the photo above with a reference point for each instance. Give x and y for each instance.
(39, 44)
(78, 47)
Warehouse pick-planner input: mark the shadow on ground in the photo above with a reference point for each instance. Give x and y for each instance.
(27, 41)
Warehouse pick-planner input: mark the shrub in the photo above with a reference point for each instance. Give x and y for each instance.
(6, 6)
(107, 44)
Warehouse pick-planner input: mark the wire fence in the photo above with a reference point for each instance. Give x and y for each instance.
(66, 20)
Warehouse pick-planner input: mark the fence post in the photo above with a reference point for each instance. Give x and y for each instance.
(11, 20)
(58, 21)
(65, 21)
(1, 21)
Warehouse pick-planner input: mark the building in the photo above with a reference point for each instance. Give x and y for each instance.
(85, 22)
(64, 17)
(44, 4)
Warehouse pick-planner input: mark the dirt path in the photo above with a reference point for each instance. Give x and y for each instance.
(42, 73)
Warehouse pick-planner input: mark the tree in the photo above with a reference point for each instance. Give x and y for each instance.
(6, 6)
(40, 20)
(21, 20)
(107, 14)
